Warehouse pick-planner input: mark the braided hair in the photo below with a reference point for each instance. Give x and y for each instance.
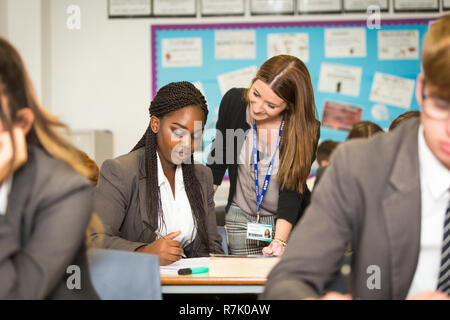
(171, 97)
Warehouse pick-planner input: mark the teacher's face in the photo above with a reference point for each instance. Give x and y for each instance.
(264, 103)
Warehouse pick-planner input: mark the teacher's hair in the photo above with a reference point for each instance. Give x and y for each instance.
(289, 78)
(171, 97)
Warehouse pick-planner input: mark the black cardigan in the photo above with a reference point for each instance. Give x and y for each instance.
(232, 115)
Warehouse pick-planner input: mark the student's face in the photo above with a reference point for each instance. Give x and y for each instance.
(436, 129)
(12, 158)
(264, 103)
(179, 133)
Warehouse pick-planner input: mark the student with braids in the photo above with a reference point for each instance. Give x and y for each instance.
(276, 121)
(156, 188)
(45, 202)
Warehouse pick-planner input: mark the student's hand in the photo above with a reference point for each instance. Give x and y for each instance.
(336, 296)
(430, 295)
(168, 250)
(6, 151)
(275, 248)
(333, 296)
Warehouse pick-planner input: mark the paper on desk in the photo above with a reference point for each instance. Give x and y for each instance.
(252, 266)
(185, 263)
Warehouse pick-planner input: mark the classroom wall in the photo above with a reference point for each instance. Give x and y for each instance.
(20, 22)
(3, 17)
(101, 72)
(98, 77)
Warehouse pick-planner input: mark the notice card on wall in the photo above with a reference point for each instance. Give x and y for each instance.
(181, 52)
(393, 90)
(239, 78)
(307, 6)
(340, 79)
(174, 7)
(294, 44)
(345, 42)
(398, 44)
(238, 44)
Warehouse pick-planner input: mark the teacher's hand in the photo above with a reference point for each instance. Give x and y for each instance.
(275, 248)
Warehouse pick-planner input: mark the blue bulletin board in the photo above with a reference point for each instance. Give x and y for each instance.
(370, 72)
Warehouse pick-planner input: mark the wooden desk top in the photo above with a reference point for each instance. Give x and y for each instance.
(204, 279)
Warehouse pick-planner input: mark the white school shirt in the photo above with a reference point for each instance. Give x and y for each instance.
(5, 188)
(177, 211)
(434, 185)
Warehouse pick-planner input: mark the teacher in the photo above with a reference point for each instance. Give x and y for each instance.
(266, 137)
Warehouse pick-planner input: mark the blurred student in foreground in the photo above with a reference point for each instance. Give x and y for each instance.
(390, 197)
(45, 202)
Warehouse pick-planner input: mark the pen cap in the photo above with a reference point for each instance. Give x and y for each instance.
(185, 271)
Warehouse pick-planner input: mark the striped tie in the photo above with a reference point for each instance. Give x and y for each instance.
(444, 272)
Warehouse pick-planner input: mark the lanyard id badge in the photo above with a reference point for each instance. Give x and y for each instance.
(257, 231)
(261, 232)
(259, 199)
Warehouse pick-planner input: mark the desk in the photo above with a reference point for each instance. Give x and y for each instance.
(203, 284)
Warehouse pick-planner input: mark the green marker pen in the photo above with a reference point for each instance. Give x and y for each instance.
(186, 271)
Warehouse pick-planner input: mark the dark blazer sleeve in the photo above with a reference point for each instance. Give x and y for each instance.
(317, 244)
(61, 208)
(111, 199)
(291, 204)
(211, 222)
(217, 157)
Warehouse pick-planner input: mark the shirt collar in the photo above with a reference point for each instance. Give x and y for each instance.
(162, 177)
(5, 188)
(432, 171)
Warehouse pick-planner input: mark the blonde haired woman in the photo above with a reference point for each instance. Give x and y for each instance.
(45, 202)
(277, 117)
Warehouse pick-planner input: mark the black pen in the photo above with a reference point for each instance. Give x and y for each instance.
(159, 234)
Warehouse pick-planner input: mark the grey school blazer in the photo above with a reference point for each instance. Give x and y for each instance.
(44, 230)
(120, 202)
(370, 194)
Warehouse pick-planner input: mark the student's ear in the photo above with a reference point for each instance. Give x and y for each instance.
(154, 124)
(419, 89)
(25, 119)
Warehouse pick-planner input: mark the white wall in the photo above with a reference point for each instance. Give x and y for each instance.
(97, 77)
(3, 18)
(21, 24)
(100, 76)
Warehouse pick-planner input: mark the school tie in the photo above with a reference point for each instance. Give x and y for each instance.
(444, 271)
